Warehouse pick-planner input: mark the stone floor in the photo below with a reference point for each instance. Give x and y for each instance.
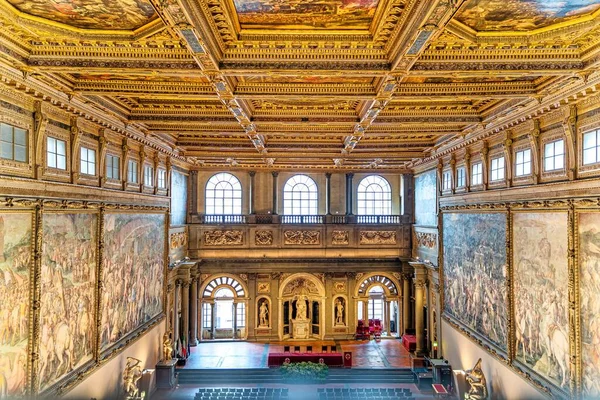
(387, 353)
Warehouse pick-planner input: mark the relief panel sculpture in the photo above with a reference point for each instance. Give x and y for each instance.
(475, 273)
(301, 237)
(133, 273)
(426, 199)
(223, 238)
(15, 262)
(340, 237)
(263, 238)
(541, 294)
(67, 302)
(589, 261)
(377, 237)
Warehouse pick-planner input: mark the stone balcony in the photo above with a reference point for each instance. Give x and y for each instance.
(294, 236)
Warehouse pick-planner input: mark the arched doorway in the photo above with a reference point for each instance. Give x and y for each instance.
(301, 302)
(223, 309)
(378, 304)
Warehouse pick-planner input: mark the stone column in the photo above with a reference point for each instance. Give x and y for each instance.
(349, 177)
(366, 311)
(193, 194)
(405, 303)
(213, 320)
(234, 319)
(185, 308)
(387, 317)
(251, 192)
(328, 193)
(194, 313)
(420, 284)
(176, 335)
(275, 193)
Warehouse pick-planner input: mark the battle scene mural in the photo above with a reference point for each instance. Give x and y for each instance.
(522, 15)
(67, 303)
(426, 199)
(589, 259)
(475, 270)
(133, 273)
(541, 294)
(15, 262)
(307, 14)
(91, 14)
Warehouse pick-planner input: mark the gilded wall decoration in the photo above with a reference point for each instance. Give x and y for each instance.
(541, 294)
(223, 238)
(263, 287)
(301, 237)
(519, 15)
(377, 237)
(301, 286)
(307, 14)
(340, 237)
(426, 239)
(133, 273)
(339, 286)
(426, 199)
(91, 14)
(589, 254)
(178, 239)
(475, 267)
(263, 238)
(68, 295)
(15, 261)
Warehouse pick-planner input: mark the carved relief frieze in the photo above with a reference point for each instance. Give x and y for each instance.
(425, 239)
(339, 286)
(263, 238)
(302, 237)
(223, 237)
(178, 239)
(340, 237)
(377, 237)
(263, 287)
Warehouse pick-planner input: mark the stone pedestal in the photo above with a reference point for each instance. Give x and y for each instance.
(300, 329)
(165, 374)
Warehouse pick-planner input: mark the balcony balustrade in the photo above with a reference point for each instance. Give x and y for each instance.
(267, 219)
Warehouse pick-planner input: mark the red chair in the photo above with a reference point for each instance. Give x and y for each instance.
(362, 331)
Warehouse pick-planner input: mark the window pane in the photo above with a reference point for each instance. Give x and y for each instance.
(51, 145)
(6, 133)
(589, 140)
(559, 147)
(527, 168)
(61, 162)
(20, 137)
(6, 150)
(60, 147)
(559, 162)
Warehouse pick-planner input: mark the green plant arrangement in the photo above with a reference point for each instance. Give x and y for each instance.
(303, 372)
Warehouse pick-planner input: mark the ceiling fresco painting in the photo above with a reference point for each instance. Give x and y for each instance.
(522, 15)
(305, 14)
(91, 14)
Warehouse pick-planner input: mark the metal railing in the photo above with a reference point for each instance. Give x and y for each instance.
(301, 219)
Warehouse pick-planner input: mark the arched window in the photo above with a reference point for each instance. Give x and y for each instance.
(300, 196)
(223, 195)
(374, 196)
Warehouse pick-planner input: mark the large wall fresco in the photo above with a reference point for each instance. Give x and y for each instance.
(91, 14)
(541, 294)
(133, 273)
(306, 14)
(522, 15)
(68, 288)
(475, 273)
(15, 261)
(178, 198)
(589, 260)
(426, 199)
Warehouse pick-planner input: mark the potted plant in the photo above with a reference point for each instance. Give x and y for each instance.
(304, 372)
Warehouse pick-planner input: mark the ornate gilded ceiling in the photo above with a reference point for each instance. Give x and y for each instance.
(341, 84)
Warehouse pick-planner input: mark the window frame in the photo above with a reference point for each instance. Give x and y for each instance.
(133, 172)
(161, 178)
(446, 180)
(225, 188)
(300, 202)
(367, 201)
(55, 155)
(554, 156)
(524, 164)
(498, 169)
(595, 147)
(110, 166)
(84, 159)
(479, 173)
(13, 144)
(148, 175)
(461, 177)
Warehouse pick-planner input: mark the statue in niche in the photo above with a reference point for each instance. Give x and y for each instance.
(167, 347)
(263, 314)
(477, 383)
(339, 311)
(131, 376)
(301, 308)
